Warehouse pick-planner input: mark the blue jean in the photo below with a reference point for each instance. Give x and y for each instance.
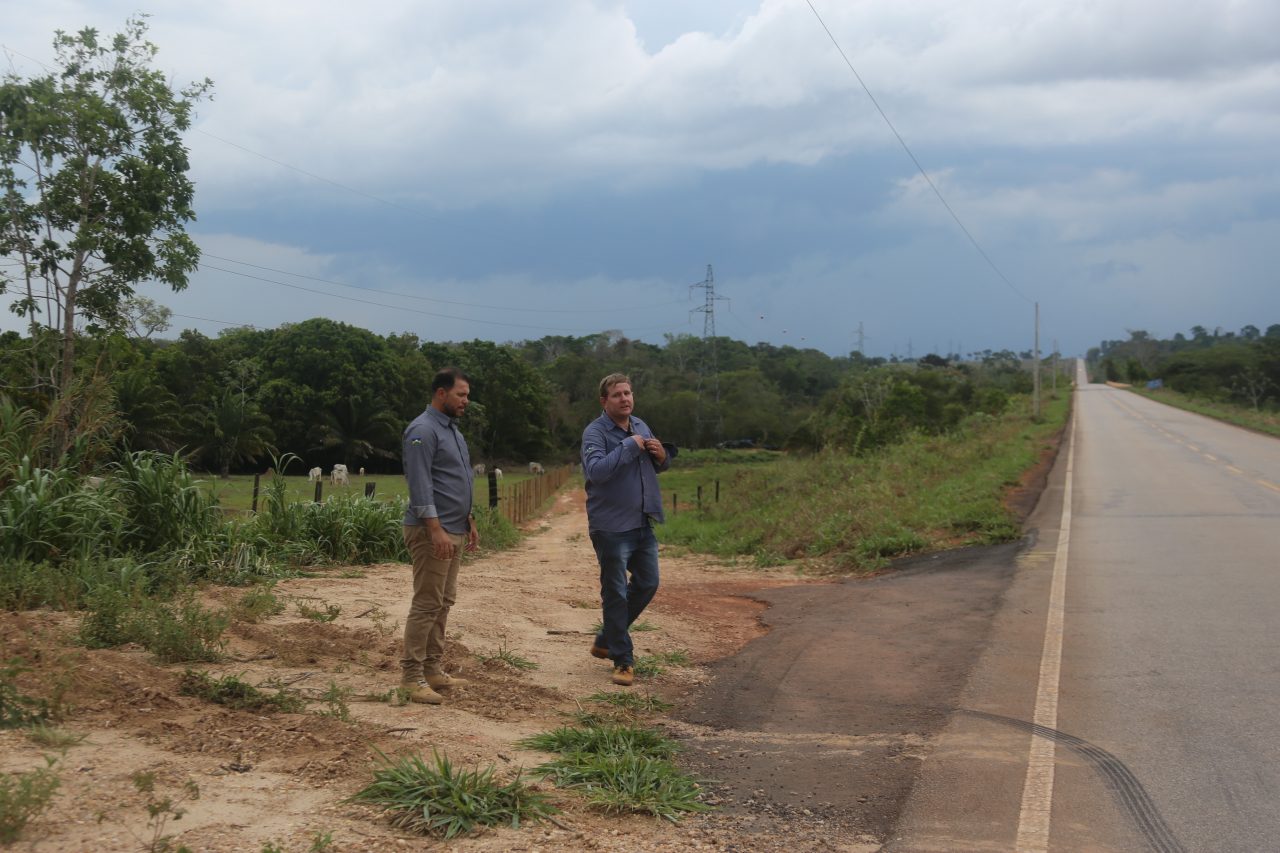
(622, 599)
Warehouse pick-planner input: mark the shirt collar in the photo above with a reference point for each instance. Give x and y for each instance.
(440, 417)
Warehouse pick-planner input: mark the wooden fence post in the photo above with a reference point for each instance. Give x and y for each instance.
(256, 478)
(319, 488)
(493, 489)
(368, 489)
(717, 491)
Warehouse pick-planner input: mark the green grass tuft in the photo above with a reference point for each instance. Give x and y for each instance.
(609, 739)
(445, 801)
(618, 784)
(23, 796)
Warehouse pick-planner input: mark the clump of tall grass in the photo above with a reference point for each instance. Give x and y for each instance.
(174, 632)
(233, 692)
(446, 801)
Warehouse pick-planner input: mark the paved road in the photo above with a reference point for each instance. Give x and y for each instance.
(1166, 729)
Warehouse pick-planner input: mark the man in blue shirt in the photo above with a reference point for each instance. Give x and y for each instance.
(438, 526)
(620, 461)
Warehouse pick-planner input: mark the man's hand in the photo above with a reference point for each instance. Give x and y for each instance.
(639, 440)
(655, 449)
(473, 536)
(442, 546)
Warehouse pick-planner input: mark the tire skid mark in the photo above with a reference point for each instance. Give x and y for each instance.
(1123, 785)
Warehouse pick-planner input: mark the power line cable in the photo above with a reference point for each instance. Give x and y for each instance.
(907, 149)
(403, 309)
(204, 254)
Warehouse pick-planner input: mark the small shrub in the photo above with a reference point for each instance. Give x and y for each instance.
(258, 604)
(441, 800)
(234, 693)
(23, 796)
(16, 708)
(162, 809)
(335, 701)
(174, 633)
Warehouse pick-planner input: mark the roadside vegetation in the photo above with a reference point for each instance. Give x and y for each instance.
(1231, 376)
(855, 508)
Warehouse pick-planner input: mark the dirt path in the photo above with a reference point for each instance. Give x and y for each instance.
(281, 778)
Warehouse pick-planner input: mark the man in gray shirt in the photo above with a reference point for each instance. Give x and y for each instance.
(620, 461)
(438, 526)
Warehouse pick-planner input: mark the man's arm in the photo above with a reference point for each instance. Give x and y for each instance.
(419, 451)
(599, 466)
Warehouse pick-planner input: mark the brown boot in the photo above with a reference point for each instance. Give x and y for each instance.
(624, 675)
(599, 652)
(443, 681)
(421, 691)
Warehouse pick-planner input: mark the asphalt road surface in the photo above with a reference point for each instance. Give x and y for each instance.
(1112, 685)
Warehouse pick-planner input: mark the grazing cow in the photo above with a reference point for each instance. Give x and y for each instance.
(361, 470)
(497, 474)
(314, 475)
(478, 469)
(535, 468)
(339, 475)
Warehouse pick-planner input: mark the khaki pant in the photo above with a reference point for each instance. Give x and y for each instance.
(435, 588)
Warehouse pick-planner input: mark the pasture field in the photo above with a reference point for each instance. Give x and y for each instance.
(236, 492)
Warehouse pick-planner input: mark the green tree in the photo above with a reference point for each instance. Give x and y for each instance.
(93, 174)
(237, 431)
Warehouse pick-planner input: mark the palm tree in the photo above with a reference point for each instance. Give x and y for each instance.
(238, 431)
(358, 431)
(150, 412)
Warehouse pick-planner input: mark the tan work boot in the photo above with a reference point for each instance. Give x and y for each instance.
(443, 681)
(421, 691)
(624, 675)
(599, 652)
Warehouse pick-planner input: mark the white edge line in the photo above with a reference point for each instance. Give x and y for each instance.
(1037, 791)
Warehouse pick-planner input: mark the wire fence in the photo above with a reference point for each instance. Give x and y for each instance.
(519, 502)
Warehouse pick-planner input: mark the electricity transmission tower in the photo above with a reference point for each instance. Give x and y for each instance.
(708, 368)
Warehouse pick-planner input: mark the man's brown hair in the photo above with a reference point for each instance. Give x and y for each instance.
(606, 384)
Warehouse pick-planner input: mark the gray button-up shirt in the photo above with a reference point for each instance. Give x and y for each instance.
(437, 465)
(622, 479)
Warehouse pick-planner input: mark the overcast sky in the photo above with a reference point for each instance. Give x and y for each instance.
(505, 170)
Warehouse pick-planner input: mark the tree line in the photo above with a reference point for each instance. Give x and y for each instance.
(1240, 367)
(331, 392)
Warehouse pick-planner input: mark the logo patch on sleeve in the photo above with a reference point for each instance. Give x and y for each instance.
(415, 442)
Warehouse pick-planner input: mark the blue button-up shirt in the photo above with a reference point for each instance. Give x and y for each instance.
(437, 465)
(622, 479)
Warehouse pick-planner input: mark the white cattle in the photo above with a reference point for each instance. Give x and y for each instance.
(478, 469)
(361, 470)
(339, 475)
(536, 468)
(497, 474)
(314, 475)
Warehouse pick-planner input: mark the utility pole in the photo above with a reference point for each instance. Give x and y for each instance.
(1055, 367)
(709, 366)
(1035, 365)
(862, 339)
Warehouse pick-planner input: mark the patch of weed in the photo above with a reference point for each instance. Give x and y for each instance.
(24, 796)
(258, 604)
(327, 613)
(617, 784)
(603, 740)
(234, 693)
(504, 655)
(16, 708)
(53, 737)
(442, 800)
(640, 703)
(335, 702)
(656, 664)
